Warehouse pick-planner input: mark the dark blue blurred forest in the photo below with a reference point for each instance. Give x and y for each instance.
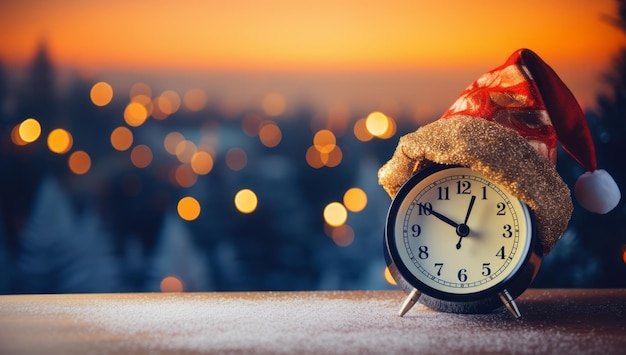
(116, 228)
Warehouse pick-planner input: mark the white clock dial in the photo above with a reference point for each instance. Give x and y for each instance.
(457, 232)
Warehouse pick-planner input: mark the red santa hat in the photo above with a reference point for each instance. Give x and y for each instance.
(507, 125)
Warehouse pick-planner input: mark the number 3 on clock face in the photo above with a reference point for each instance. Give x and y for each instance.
(460, 239)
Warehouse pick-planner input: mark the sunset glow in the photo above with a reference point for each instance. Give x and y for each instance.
(459, 40)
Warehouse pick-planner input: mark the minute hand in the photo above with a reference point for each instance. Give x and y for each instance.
(444, 218)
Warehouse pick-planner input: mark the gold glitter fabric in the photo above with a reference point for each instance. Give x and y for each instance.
(497, 152)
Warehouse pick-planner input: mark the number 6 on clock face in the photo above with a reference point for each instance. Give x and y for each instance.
(460, 239)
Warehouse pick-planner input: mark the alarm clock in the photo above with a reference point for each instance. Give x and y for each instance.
(458, 242)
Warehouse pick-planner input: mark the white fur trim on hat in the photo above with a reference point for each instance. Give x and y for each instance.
(597, 191)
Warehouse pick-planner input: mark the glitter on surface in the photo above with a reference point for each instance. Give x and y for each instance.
(353, 322)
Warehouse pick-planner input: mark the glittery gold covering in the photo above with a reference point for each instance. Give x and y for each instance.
(497, 152)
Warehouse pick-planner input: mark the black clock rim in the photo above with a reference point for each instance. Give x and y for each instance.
(392, 255)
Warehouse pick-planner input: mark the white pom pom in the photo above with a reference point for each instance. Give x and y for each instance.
(597, 191)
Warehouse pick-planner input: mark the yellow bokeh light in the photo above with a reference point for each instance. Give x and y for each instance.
(377, 123)
(29, 130)
(171, 141)
(355, 199)
(360, 131)
(141, 156)
(335, 214)
(101, 93)
(274, 104)
(236, 159)
(185, 176)
(135, 114)
(188, 208)
(324, 141)
(195, 99)
(172, 284)
(391, 129)
(270, 135)
(121, 138)
(60, 141)
(388, 277)
(79, 162)
(201, 163)
(246, 201)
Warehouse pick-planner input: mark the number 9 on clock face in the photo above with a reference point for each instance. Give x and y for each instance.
(460, 239)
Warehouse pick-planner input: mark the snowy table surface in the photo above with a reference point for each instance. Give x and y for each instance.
(556, 321)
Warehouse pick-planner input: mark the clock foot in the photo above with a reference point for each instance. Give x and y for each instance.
(409, 302)
(506, 298)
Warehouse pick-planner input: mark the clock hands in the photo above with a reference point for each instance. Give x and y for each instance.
(463, 230)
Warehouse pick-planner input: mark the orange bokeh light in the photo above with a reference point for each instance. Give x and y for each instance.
(60, 141)
(121, 138)
(188, 208)
(172, 284)
(141, 156)
(101, 93)
(79, 162)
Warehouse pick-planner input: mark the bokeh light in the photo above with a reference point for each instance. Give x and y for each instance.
(15, 136)
(324, 141)
(171, 141)
(342, 235)
(135, 114)
(79, 162)
(274, 104)
(236, 159)
(251, 124)
(377, 123)
(185, 176)
(360, 131)
(168, 102)
(185, 151)
(172, 284)
(333, 158)
(140, 89)
(335, 214)
(195, 99)
(246, 201)
(29, 130)
(201, 163)
(188, 208)
(101, 93)
(355, 199)
(270, 134)
(388, 277)
(60, 141)
(121, 138)
(141, 156)
(314, 158)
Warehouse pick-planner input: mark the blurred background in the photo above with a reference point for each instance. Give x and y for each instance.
(234, 145)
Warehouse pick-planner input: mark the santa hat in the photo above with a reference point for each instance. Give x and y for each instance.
(507, 125)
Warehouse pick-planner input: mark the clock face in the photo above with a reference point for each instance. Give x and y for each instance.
(454, 232)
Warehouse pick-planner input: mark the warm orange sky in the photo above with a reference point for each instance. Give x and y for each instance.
(456, 38)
